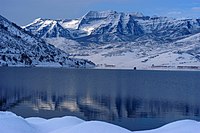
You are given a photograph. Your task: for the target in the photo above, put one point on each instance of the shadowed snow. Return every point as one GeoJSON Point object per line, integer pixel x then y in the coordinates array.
{"type": "Point", "coordinates": [11, 123]}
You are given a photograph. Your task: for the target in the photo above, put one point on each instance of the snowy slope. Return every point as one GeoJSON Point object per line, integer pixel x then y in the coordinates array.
{"type": "Point", "coordinates": [128, 56]}
{"type": "Point", "coordinates": [140, 54]}
{"type": "Point", "coordinates": [126, 40]}
{"type": "Point", "coordinates": [11, 123]}
{"type": "Point", "coordinates": [112, 26]}
{"type": "Point", "coordinates": [18, 48]}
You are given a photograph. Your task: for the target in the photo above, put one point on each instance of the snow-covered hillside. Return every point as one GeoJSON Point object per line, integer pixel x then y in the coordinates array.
{"type": "Point", "coordinates": [20, 48]}
{"type": "Point", "coordinates": [125, 40]}
{"type": "Point", "coordinates": [141, 54]}
{"type": "Point", "coordinates": [112, 26]}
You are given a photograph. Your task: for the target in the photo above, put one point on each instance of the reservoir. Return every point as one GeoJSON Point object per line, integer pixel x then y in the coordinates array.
{"type": "Point", "coordinates": [133, 99]}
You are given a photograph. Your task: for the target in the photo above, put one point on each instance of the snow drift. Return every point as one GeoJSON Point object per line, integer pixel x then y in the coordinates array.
{"type": "Point", "coordinates": [11, 123]}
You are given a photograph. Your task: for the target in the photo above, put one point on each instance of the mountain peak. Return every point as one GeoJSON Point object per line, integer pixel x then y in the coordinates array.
{"type": "Point", "coordinates": [104, 14]}
{"type": "Point", "coordinates": [137, 14]}
{"type": "Point", "coordinates": [107, 26]}
{"type": "Point", "coordinates": [38, 19]}
{"type": "Point", "coordinates": [20, 48]}
{"type": "Point", "coordinates": [99, 14]}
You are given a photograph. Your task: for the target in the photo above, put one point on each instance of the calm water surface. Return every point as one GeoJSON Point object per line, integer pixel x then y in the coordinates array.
{"type": "Point", "coordinates": [136, 100]}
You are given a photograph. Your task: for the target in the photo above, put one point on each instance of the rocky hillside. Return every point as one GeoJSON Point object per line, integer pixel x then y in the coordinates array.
{"type": "Point", "coordinates": [20, 48]}
{"type": "Point", "coordinates": [111, 26]}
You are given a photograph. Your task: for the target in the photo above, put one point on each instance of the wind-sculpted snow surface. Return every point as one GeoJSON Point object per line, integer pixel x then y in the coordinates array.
{"type": "Point", "coordinates": [184, 126]}
{"type": "Point", "coordinates": [20, 48]}
{"type": "Point", "coordinates": [11, 123]}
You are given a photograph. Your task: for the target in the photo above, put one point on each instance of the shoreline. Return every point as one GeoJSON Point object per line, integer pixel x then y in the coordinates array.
{"type": "Point", "coordinates": [105, 68]}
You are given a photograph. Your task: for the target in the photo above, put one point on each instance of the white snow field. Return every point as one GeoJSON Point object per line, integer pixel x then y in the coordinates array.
{"type": "Point", "coordinates": [11, 123]}
{"type": "Point", "coordinates": [120, 40]}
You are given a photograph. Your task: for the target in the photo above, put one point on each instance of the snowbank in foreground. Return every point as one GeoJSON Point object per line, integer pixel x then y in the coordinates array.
{"type": "Point", "coordinates": [11, 123]}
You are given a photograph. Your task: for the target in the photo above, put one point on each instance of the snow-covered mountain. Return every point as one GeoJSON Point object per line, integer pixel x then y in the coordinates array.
{"type": "Point", "coordinates": [124, 40]}
{"type": "Point", "coordinates": [111, 26]}
{"type": "Point", "coordinates": [20, 48]}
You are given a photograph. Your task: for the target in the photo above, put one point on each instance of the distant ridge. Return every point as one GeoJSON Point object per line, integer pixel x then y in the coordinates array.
{"type": "Point", "coordinates": [111, 26]}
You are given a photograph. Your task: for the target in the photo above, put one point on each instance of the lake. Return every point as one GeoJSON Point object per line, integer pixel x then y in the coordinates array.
{"type": "Point", "coordinates": [133, 99]}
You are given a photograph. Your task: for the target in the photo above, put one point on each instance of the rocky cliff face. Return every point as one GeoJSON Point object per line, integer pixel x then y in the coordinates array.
{"type": "Point", "coordinates": [111, 26]}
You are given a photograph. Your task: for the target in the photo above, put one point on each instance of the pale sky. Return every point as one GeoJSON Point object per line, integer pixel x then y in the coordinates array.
{"type": "Point", "coordinates": [23, 12]}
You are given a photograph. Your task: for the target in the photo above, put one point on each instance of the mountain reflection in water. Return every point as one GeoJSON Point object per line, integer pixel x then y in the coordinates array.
{"type": "Point", "coordinates": [136, 100]}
